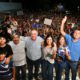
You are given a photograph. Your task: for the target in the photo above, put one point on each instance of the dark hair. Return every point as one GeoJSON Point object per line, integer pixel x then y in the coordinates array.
{"type": "Point", "coordinates": [76, 29]}
{"type": "Point", "coordinates": [33, 29]}
{"type": "Point", "coordinates": [3, 36]}
{"type": "Point", "coordinates": [58, 43]}
{"type": "Point", "coordinates": [16, 34]}
{"type": "Point", "coordinates": [45, 42]}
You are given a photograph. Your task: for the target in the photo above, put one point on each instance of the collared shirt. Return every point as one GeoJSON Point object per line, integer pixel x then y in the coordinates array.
{"type": "Point", "coordinates": [33, 48]}
{"type": "Point", "coordinates": [74, 47]}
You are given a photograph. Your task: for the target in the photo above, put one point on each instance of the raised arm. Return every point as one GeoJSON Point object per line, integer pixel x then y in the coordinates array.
{"type": "Point", "coordinates": [62, 26]}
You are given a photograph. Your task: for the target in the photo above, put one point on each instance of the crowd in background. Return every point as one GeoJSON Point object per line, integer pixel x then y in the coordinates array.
{"type": "Point", "coordinates": [34, 51]}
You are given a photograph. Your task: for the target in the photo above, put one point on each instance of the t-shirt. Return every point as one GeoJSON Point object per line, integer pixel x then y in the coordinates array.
{"type": "Point", "coordinates": [5, 69]}
{"type": "Point", "coordinates": [33, 48]}
{"type": "Point", "coordinates": [7, 50]}
{"type": "Point", "coordinates": [19, 55]}
{"type": "Point", "coordinates": [74, 47]}
{"type": "Point", "coordinates": [61, 52]}
{"type": "Point", "coordinates": [48, 53]}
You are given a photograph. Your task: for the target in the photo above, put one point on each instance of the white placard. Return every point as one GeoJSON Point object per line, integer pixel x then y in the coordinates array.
{"type": "Point", "coordinates": [37, 20]}
{"type": "Point", "coordinates": [47, 21]}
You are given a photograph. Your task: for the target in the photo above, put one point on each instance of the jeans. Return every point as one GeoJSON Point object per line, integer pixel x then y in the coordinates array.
{"type": "Point", "coordinates": [73, 66]}
{"type": "Point", "coordinates": [21, 76]}
{"type": "Point", "coordinates": [47, 70]}
{"type": "Point", "coordinates": [36, 65]}
{"type": "Point", "coordinates": [59, 67]}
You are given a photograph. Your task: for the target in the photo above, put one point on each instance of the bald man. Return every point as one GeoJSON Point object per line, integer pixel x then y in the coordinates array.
{"type": "Point", "coordinates": [33, 46]}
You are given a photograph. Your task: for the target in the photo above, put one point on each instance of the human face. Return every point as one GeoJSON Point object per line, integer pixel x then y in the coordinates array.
{"type": "Point", "coordinates": [49, 40]}
{"type": "Point", "coordinates": [34, 34]}
{"type": "Point", "coordinates": [76, 34]}
{"type": "Point", "coordinates": [16, 39]}
{"type": "Point", "coordinates": [2, 57]}
{"type": "Point", "coordinates": [2, 41]}
{"type": "Point", "coordinates": [62, 41]}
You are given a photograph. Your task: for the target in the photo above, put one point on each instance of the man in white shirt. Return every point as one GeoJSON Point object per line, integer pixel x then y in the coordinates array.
{"type": "Point", "coordinates": [19, 56]}
{"type": "Point", "coordinates": [34, 54]}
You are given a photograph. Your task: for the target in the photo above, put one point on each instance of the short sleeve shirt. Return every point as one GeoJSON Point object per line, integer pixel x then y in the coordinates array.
{"type": "Point", "coordinates": [74, 47]}
{"type": "Point", "coordinates": [7, 50]}
{"type": "Point", "coordinates": [34, 48]}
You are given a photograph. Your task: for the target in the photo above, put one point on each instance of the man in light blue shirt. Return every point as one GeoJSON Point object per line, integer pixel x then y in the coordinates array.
{"type": "Point", "coordinates": [34, 54]}
{"type": "Point", "coordinates": [74, 46]}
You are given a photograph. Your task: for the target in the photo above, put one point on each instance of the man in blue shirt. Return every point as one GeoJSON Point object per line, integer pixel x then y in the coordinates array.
{"type": "Point", "coordinates": [74, 46]}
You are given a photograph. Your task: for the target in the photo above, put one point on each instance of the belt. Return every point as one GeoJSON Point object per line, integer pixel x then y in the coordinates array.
{"type": "Point", "coordinates": [73, 61]}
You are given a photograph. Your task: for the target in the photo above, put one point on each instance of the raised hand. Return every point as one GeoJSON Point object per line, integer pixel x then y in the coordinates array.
{"type": "Point", "coordinates": [62, 26]}
{"type": "Point", "coordinates": [64, 19]}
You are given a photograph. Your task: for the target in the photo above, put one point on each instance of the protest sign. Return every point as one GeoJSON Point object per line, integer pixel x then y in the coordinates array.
{"type": "Point", "coordinates": [47, 21]}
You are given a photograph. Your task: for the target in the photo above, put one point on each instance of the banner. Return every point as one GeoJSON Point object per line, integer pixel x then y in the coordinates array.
{"type": "Point", "coordinates": [47, 21]}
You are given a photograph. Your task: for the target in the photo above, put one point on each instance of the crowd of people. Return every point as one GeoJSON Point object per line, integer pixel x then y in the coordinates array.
{"type": "Point", "coordinates": [26, 43]}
